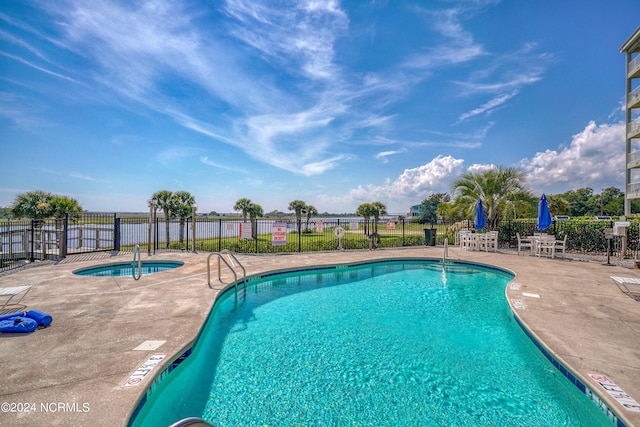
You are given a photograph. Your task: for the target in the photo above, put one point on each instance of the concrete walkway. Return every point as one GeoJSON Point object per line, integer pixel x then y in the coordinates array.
{"type": "Point", "coordinates": [73, 372]}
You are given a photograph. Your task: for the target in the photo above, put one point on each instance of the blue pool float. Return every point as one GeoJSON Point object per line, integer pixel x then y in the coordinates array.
{"type": "Point", "coordinates": [24, 321]}
{"type": "Point", "coordinates": [18, 324]}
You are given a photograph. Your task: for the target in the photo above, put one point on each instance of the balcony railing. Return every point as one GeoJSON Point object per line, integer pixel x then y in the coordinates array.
{"type": "Point", "coordinates": [633, 68]}
{"type": "Point", "coordinates": [633, 188]}
{"type": "Point", "coordinates": [633, 129]}
{"type": "Point", "coordinates": [633, 159]}
{"type": "Point", "coordinates": [633, 98]}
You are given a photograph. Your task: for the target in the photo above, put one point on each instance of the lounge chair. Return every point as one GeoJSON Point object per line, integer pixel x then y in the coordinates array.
{"type": "Point", "coordinates": [14, 292]}
{"type": "Point", "coordinates": [628, 285]}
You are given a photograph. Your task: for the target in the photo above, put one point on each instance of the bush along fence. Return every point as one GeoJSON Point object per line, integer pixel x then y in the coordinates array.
{"type": "Point", "coordinates": [30, 240]}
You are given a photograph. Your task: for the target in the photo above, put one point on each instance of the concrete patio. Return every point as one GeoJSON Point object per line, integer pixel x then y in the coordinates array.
{"type": "Point", "coordinates": [73, 372]}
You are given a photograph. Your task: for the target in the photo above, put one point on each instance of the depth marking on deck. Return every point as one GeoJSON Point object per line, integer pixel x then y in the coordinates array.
{"type": "Point", "coordinates": [140, 373]}
{"type": "Point", "coordinates": [627, 402]}
{"type": "Point", "coordinates": [527, 294]}
{"type": "Point", "coordinates": [150, 345]}
{"type": "Point", "coordinates": [519, 305]}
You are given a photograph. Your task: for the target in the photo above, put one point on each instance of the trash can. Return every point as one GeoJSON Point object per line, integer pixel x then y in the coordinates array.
{"type": "Point", "coordinates": [430, 236]}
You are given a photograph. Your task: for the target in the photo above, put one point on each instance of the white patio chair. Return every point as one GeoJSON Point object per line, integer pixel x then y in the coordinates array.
{"type": "Point", "coordinates": [491, 241]}
{"type": "Point", "coordinates": [561, 245]}
{"type": "Point", "coordinates": [524, 243]}
{"type": "Point", "coordinates": [466, 240]}
{"type": "Point", "coordinates": [545, 246]}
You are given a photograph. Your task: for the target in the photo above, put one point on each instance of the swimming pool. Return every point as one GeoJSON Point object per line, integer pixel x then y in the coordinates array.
{"type": "Point", "coordinates": [126, 268]}
{"type": "Point", "coordinates": [398, 343]}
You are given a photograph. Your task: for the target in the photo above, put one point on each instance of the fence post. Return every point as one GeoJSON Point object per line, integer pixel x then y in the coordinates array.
{"type": "Point", "coordinates": [155, 232]}
{"type": "Point", "coordinates": [186, 245]}
{"type": "Point", "coordinates": [32, 243]}
{"type": "Point", "coordinates": [150, 229]}
{"type": "Point", "coordinates": [193, 225]}
{"type": "Point", "coordinates": [64, 238]}
{"type": "Point", "coordinates": [116, 233]}
{"type": "Point", "coordinates": [219, 234]}
{"type": "Point", "coordinates": [403, 241]}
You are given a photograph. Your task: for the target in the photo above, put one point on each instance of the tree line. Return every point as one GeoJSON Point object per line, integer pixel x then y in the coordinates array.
{"type": "Point", "coordinates": [505, 195]}
{"type": "Point", "coordinates": [503, 191]}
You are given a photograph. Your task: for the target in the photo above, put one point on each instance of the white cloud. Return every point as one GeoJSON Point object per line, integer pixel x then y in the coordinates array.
{"type": "Point", "coordinates": [595, 158]}
{"type": "Point", "coordinates": [37, 67]}
{"type": "Point", "coordinates": [459, 46]}
{"type": "Point", "coordinates": [487, 107]}
{"type": "Point", "coordinates": [382, 156]}
{"type": "Point", "coordinates": [205, 160]}
{"type": "Point", "coordinates": [299, 36]}
{"type": "Point", "coordinates": [172, 154]}
{"type": "Point", "coordinates": [412, 186]}
{"type": "Point", "coordinates": [506, 73]}
{"type": "Point", "coordinates": [87, 177]}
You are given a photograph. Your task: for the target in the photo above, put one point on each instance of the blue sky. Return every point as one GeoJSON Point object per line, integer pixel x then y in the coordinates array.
{"type": "Point", "coordinates": [336, 103]}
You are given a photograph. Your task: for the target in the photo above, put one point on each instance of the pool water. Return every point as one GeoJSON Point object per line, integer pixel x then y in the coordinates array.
{"type": "Point", "coordinates": [127, 268]}
{"type": "Point", "coordinates": [395, 344]}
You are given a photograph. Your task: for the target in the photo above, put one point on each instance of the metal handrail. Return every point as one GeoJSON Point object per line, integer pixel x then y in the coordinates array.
{"type": "Point", "coordinates": [232, 255]}
{"type": "Point", "coordinates": [136, 255]}
{"type": "Point", "coordinates": [445, 253]}
{"type": "Point", "coordinates": [191, 422]}
{"type": "Point", "coordinates": [235, 274]}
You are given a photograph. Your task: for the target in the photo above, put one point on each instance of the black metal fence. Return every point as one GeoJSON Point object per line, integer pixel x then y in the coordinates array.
{"type": "Point", "coordinates": [23, 241]}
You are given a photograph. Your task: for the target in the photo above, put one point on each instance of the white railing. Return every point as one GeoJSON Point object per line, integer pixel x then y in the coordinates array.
{"type": "Point", "coordinates": [91, 237]}
{"type": "Point", "coordinates": [633, 157]}
{"type": "Point", "coordinates": [633, 128]}
{"type": "Point", "coordinates": [633, 65]}
{"type": "Point", "coordinates": [633, 97]}
{"type": "Point", "coordinates": [633, 188]}
{"type": "Point", "coordinates": [40, 243]}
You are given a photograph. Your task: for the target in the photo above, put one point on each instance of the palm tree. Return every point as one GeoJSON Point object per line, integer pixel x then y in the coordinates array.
{"type": "Point", "coordinates": [62, 206]}
{"type": "Point", "coordinates": [35, 205]}
{"type": "Point", "coordinates": [182, 203]}
{"type": "Point", "coordinates": [297, 206]}
{"type": "Point", "coordinates": [39, 205]}
{"type": "Point", "coordinates": [254, 210]}
{"type": "Point", "coordinates": [163, 201]}
{"type": "Point", "coordinates": [311, 212]}
{"type": "Point", "coordinates": [366, 210]}
{"type": "Point", "coordinates": [497, 188]}
{"type": "Point", "coordinates": [379, 209]}
{"type": "Point", "coordinates": [243, 205]}
{"type": "Point", "coordinates": [558, 205]}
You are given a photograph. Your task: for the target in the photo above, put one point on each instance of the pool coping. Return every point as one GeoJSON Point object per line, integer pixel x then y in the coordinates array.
{"type": "Point", "coordinates": [574, 378]}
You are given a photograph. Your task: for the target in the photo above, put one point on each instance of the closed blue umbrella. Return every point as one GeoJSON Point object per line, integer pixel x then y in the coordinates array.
{"type": "Point", "coordinates": [544, 216]}
{"type": "Point", "coordinates": [480, 221]}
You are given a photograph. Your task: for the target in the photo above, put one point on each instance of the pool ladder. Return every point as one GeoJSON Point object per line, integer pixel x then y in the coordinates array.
{"type": "Point", "coordinates": [232, 258]}
{"type": "Point", "coordinates": [191, 422]}
{"type": "Point", "coordinates": [136, 256]}
{"type": "Point", "coordinates": [445, 253]}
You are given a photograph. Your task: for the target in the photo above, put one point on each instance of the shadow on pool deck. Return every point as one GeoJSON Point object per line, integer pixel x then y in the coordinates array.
{"type": "Point", "coordinates": [72, 372]}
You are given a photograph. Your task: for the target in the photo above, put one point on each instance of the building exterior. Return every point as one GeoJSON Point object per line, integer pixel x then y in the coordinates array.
{"type": "Point", "coordinates": [631, 48]}
{"type": "Point", "coordinates": [416, 210]}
